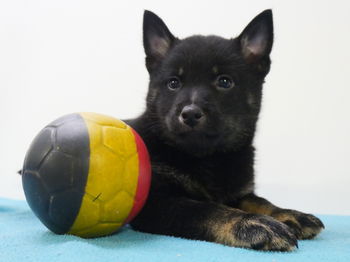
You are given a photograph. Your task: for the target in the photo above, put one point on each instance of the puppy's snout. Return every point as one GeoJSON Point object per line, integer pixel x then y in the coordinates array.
{"type": "Point", "coordinates": [191, 115]}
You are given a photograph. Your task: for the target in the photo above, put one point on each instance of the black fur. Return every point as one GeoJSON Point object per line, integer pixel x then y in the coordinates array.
{"type": "Point", "coordinates": [203, 177]}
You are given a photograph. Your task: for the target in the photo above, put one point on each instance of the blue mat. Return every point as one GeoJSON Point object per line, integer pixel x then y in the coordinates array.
{"type": "Point", "coordinates": [24, 238]}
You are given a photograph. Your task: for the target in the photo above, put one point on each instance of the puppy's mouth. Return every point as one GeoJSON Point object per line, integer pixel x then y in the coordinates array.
{"type": "Point", "coordinates": [196, 143]}
{"type": "Point", "coordinates": [198, 136]}
{"type": "Point", "coordinates": [195, 135]}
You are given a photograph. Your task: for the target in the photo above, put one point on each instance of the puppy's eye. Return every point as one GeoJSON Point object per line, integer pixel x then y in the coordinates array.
{"type": "Point", "coordinates": [224, 82]}
{"type": "Point", "coordinates": [174, 83]}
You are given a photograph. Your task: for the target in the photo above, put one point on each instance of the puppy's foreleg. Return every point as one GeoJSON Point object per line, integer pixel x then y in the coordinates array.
{"type": "Point", "coordinates": [209, 221]}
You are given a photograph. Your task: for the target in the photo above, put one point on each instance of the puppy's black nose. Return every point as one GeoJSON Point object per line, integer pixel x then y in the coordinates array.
{"type": "Point", "coordinates": [191, 115]}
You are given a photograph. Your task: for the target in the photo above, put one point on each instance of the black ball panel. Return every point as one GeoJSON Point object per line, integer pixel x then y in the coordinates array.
{"type": "Point", "coordinates": [64, 119]}
{"type": "Point", "coordinates": [40, 147]}
{"type": "Point", "coordinates": [37, 197]}
{"type": "Point", "coordinates": [61, 206]}
{"type": "Point", "coordinates": [69, 138]}
{"type": "Point", "coordinates": [55, 172]}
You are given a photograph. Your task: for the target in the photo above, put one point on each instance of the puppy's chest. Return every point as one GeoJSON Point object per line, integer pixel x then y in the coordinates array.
{"type": "Point", "coordinates": [202, 180]}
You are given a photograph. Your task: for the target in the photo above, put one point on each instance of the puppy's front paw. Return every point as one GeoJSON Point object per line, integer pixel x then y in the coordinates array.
{"type": "Point", "coordinates": [263, 233]}
{"type": "Point", "coordinates": [304, 226]}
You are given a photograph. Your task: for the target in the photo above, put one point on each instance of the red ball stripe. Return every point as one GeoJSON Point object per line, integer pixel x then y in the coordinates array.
{"type": "Point", "coordinates": [144, 178]}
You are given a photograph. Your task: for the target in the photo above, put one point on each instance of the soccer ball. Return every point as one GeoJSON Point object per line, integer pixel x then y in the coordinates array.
{"type": "Point", "coordinates": [86, 174]}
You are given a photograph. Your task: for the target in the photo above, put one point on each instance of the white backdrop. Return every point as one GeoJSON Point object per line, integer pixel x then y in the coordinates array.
{"type": "Point", "coordinates": [58, 57]}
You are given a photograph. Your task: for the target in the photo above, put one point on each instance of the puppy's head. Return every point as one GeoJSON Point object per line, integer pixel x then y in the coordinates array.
{"type": "Point", "coordinates": [205, 91]}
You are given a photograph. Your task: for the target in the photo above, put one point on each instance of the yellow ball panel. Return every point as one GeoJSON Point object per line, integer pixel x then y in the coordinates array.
{"type": "Point", "coordinates": [129, 180]}
{"type": "Point", "coordinates": [120, 141]}
{"type": "Point", "coordinates": [112, 178]}
{"type": "Point", "coordinates": [117, 209]}
{"type": "Point", "coordinates": [99, 230]}
{"type": "Point", "coordinates": [103, 120]}
{"type": "Point", "coordinates": [95, 131]}
{"type": "Point", "coordinates": [105, 174]}
{"type": "Point", "coordinates": [88, 216]}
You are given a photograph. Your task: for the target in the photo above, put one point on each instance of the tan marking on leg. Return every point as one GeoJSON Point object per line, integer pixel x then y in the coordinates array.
{"type": "Point", "coordinates": [256, 208]}
{"type": "Point", "coordinates": [282, 217]}
{"type": "Point", "coordinates": [223, 232]}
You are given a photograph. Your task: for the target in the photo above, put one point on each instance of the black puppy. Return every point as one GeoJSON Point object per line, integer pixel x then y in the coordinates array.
{"type": "Point", "coordinates": [202, 107]}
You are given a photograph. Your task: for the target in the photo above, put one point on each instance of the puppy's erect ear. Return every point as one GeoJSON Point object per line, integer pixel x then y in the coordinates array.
{"type": "Point", "coordinates": [157, 39]}
{"type": "Point", "coordinates": [257, 38]}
